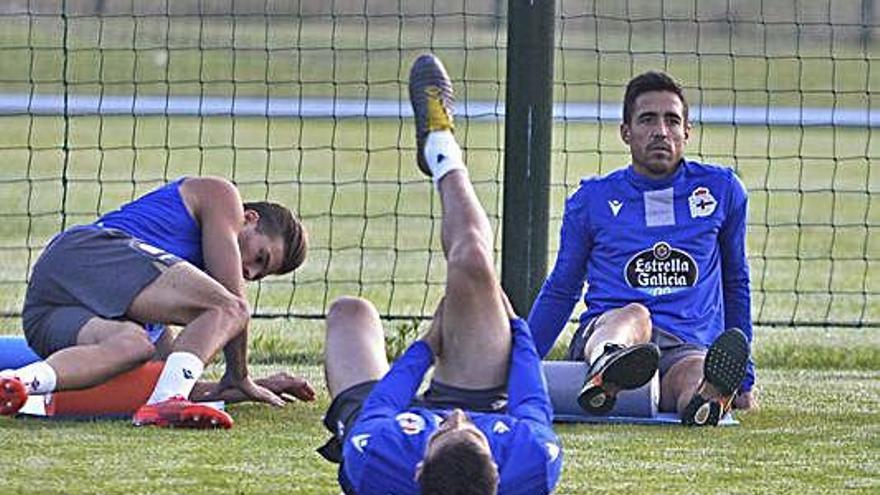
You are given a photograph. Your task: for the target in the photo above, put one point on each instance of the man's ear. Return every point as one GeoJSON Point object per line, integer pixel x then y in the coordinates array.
{"type": "Point", "coordinates": [624, 133]}
{"type": "Point", "coordinates": [251, 216]}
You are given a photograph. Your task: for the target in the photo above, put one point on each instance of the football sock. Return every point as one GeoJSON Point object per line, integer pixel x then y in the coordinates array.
{"type": "Point", "coordinates": [178, 377]}
{"type": "Point", "coordinates": [442, 154]}
{"type": "Point", "coordinates": [39, 378]}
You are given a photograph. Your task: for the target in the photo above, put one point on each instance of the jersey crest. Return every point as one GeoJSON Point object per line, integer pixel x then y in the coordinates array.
{"type": "Point", "coordinates": [410, 423]}
{"type": "Point", "coordinates": [701, 202]}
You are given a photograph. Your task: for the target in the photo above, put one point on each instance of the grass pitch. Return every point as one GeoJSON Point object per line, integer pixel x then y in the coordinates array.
{"type": "Point", "coordinates": [374, 223]}
{"type": "Point", "coordinates": [817, 432]}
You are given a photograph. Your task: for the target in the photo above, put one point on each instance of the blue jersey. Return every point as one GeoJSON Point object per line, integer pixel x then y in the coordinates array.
{"type": "Point", "coordinates": [388, 440]}
{"type": "Point", "coordinates": [160, 219]}
{"type": "Point", "coordinates": [676, 245]}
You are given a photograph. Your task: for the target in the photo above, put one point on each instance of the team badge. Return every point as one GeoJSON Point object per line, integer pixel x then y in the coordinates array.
{"type": "Point", "coordinates": [410, 423]}
{"type": "Point", "coordinates": [702, 202]}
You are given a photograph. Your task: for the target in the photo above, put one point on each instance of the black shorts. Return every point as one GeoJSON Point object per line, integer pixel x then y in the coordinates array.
{"type": "Point", "coordinates": [672, 348]}
{"type": "Point", "coordinates": [346, 407]}
{"type": "Point", "coordinates": [86, 271]}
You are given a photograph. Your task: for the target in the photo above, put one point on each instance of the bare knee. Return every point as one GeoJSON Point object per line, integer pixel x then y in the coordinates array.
{"type": "Point", "coordinates": [131, 342]}
{"type": "Point", "coordinates": [234, 312]}
{"type": "Point", "coordinates": [641, 318]}
{"type": "Point", "coordinates": [631, 323]}
{"type": "Point", "coordinates": [350, 312]}
{"type": "Point", "coordinates": [471, 259]}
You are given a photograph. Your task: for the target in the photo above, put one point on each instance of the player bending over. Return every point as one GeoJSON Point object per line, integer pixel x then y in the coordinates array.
{"type": "Point", "coordinates": [484, 425]}
{"type": "Point", "coordinates": [100, 294]}
{"type": "Point", "coordinates": [661, 245]}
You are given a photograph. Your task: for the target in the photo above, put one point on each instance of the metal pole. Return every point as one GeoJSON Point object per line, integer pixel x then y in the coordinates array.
{"type": "Point", "coordinates": [528, 137]}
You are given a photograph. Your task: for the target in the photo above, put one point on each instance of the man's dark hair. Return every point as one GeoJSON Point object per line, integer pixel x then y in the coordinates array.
{"type": "Point", "coordinates": [650, 81]}
{"type": "Point", "coordinates": [459, 468]}
{"type": "Point", "coordinates": [278, 221]}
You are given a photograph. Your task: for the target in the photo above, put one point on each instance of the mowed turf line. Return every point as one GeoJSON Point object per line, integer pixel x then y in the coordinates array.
{"type": "Point", "coordinates": [817, 432]}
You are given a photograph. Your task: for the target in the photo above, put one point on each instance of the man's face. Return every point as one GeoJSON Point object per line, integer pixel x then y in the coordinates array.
{"type": "Point", "coordinates": [456, 427]}
{"type": "Point", "coordinates": [261, 254]}
{"type": "Point", "coordinates": [656, 134]}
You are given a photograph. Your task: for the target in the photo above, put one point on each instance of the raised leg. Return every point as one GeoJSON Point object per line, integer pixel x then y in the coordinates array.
{"type": "Point", "coordinates": [473, 322]}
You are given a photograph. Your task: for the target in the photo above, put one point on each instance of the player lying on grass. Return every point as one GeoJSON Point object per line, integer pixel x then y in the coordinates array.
{"type": "Point", "coordinates": [484, 425]}
{"type": "Point", "coordinates": [100, 294]}
{"type": "Point", "coordinates": [661, 245]}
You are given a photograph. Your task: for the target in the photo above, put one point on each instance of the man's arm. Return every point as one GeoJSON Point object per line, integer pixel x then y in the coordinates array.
{"type": "Point", "coordinates": [526, 388]}
{"type": "Point", "coordinates": [217, 206]}
{"type": "Point", "coordinates": [565, 285]}
{"type": "Point", "coordinates": [396, 389]}
{"type": "Point", "coordinates": [735, 271]}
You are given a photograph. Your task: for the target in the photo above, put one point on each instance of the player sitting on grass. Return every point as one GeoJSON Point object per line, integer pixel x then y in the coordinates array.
{"type": "Point", "coordinates": [99, 295]}
{"type": "Point", "coordinates": [484, 425]}
{"type": "Point", "coordinates": [661, 245]}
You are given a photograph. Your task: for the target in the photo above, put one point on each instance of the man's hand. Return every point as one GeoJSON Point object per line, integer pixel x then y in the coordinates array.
{"type": "Point", "coordinates": [249, 389]}
{"type": "Point", "coordinates": [508, 308]}
{"type": "Point", "coordinates": [746, 401]}
{"type": "Point", "coordinates": [283, 384]}
{"type": "Point", "coordinates": [288, 387]}
{"type": "Point", "coordinates": [434, 336]}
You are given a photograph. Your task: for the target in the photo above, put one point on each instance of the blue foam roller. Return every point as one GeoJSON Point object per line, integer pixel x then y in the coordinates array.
{"type": "Point", "coordinates": [638, 406]}
{"type": "Point", "coordinates": [566, 378]}
{"type": "Point", "coordinates": [15, 353]}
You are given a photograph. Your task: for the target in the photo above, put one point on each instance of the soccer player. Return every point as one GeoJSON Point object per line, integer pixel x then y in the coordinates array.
{"type": "Point", "coordinates": [484, 424]}
{"type": "Point", "coordinates": [100, 294]}
{"type": "Point", "coordinates": [661, 246]}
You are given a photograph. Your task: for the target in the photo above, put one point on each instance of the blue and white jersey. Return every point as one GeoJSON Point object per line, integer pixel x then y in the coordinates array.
{"type": "Point", "coordinates": [161, 219]}
{"type": "Point", "coordinates": [386, 444]}
{"type": "Point", "coordinates": [676, 245]}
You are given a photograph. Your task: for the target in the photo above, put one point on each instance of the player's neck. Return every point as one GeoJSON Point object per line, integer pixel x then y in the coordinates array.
{"type": "Point", "coordinates": [656, 173]}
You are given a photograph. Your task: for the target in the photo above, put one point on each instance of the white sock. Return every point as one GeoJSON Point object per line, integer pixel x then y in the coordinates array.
{"type": "Point", "coordinates": [442, 154]}
{"type": "Point", "coordinates": [178, 377]}
{"type": "Point", "coordinates": [38, 377]}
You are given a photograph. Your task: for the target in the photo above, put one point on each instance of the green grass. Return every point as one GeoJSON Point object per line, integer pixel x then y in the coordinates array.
{"type": "Point", "coordinates": [816, 432]}
{"type": "Point", "coordinates": [763, 53]}
{"type": "Point", "coordinates": [374, 220]}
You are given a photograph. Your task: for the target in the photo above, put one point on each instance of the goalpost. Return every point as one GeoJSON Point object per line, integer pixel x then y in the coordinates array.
{"type": "Point", "coordinates": [304, 102]}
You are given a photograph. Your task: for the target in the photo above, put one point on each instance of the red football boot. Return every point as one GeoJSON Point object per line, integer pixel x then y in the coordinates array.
{"type": "Point", "coordinates": [13, 395]}
{"type": "Point", "coordinates": [178, 412]}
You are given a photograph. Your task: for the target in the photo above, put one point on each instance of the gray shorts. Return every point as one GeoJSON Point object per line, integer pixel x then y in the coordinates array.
{"type": "Point", "coordinates": [672, 348]}
{"type": "Point", "coordinates": [86, 271]}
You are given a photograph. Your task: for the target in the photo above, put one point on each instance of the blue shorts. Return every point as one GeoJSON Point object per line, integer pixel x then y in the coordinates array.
{"type": "Point", "coordinates": [86, 271]}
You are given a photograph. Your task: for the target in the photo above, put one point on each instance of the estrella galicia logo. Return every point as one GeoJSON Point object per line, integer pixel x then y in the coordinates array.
{"type": "Point", "coordinates": [661, 270]}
